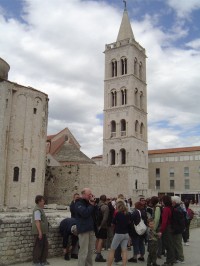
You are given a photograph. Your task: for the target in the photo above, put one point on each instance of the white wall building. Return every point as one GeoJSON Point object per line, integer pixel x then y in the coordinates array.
{"type": "Point", "coordinates": [176, 171]}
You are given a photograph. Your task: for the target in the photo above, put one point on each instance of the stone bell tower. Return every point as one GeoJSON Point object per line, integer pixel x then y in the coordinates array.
{"type": "Point", "coordinates": [125, 106]}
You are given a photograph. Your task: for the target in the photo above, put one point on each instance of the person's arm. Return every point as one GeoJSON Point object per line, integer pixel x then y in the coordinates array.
{"type": "Point", "coordinates": [157, 217]}
{"type": "Point", "coordinates": [84, 211]}
{"type": "Point", "coordinates": [37, 220]}
{"type": "Point", "coordinates": [105, 211]}
{"type": "Point", "coordinates": [38, 225]}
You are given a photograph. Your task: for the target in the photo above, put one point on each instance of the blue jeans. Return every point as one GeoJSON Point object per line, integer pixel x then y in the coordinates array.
{"type": "Point", "coordinates": [138, 245]}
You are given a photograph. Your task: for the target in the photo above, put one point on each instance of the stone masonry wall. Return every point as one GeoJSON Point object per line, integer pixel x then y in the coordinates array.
{"type": "Point", "coordinates": [63, 181]}
{"type": "Point", "coordinates": [16, 240]}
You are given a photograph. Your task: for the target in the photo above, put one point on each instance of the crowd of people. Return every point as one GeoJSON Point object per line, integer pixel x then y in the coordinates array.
{"type": "Point", "coordinates": [156, 224]}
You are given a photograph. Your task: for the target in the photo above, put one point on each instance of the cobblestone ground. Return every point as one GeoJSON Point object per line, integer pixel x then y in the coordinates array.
{"type": "Point", "coordinates": [191, 252]}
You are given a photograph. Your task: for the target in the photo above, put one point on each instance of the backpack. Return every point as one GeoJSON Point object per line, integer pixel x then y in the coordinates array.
{"type": "Point", "coordinates": [111, 214]}
{"type": "Point", "coordinates": [99, 216]}
{"type": "Point", "coordinates": [178, 220]}
{"type": "Point", "coordinates": [190, 214]}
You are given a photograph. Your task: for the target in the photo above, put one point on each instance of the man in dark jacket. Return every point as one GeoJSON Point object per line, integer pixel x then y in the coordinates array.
{"type": "Point", "coordinates": [85, 208]}
{"type": "Point", "coordinates": [178, 226]}
{"type": "Point", "coordinates": [68, 231]}
{"type": "Point", "coordinates": [102, 225]}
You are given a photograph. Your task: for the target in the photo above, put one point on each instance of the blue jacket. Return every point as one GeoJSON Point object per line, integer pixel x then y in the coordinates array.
{"type": "Point", "coordinates": [84, 216]}
{"type": "Point", "coordinates": [65, 230]}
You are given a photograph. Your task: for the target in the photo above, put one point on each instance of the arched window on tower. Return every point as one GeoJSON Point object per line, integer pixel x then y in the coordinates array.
{"type": "Point", "coordinates": [113, 98]}
{"type": "Point", "coordinates": [136, 127]}
{"type": "Point", "coordinates": [113, 128]}
{"type": "Point", "coordinates": [16, 174]}
{"type": "Point", "coordinates": [33, 172]}
{"type": "Point", "coordinates": [142, 130]}
{"type": "Point", "coordinates": [124, 96]}
{"type": "Point", "coordinates": [140, 70]}
{"type": "Point", "coordinates": [114, 68]}
{"type": "Point", "coordinates": [123, 156]}
{"type": "Point", "coordinates": [141, 100]}
{"type": "Point", "coordinates": [135, 66]}
{"type": "Point", "coordinates": [123, 65]}
{"type": "Point", "coordinates": [123, 127]}
{"type": "Point", "coordinates": [136, 97]}
{"type": "Point", "coordinates": [112, 157]}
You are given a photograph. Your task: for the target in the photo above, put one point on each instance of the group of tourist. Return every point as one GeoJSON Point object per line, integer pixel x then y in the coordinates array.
{"type": "Point", "coordinates": [161, 224]}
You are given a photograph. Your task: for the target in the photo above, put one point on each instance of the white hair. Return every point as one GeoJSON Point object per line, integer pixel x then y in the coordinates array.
{"type": "Point", "coordinates": [176, 199]}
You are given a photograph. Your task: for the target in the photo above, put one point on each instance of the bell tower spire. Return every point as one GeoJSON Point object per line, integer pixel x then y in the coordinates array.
{"type": "Point", "coordinates": [124, 5]}
{"type": "Point", "coordinates": [125, 31]}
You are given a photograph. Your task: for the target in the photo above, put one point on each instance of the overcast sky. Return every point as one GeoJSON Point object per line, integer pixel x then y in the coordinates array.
{"type": "Point", "coordinates": [56, 46]}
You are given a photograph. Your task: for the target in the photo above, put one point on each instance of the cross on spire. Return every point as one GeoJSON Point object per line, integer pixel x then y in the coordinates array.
{"type": "Point", "coordinates": [124, 5]}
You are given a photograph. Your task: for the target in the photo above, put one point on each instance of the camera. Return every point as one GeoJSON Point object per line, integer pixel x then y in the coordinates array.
{"type": "Point", "coordinates": [92, 198]}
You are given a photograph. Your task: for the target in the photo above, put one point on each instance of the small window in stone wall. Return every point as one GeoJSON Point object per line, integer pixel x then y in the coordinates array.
{"type": "Point", "coordinates": [16, 174]}
{"type": "Point", "coordinates": [35, 111]}
{"type": "Point", "coordinates": [33, 172]}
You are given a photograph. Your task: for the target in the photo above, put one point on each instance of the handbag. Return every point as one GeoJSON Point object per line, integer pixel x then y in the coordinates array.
{"type": "Point", "coordinates": [141, 227]}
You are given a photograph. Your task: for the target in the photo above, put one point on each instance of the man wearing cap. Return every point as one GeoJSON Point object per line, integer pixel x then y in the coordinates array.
{"type": "Point", "coordinates": [68, 231]}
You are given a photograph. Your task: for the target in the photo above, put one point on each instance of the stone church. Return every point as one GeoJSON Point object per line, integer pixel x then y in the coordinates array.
{"type": "Point", "coordinates": [123, 168]}
{"type": "Point", "coordinates": [23, 129]}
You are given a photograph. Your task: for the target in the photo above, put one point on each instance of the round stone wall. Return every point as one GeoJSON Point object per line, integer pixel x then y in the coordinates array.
{"type": "Point", "coordinates": [4, 69]}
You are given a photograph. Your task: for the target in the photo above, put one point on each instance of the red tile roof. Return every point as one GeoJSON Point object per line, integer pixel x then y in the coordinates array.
{"type": "Point", "coordinates": [174, 150]}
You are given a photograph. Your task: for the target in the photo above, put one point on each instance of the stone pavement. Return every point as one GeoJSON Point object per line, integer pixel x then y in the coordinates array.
{"type": "Point", "coordinates": [192, 255]}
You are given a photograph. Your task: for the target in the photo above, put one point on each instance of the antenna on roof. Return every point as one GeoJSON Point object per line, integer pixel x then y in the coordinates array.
{"type": "Point", "coordinates": [125, 9]}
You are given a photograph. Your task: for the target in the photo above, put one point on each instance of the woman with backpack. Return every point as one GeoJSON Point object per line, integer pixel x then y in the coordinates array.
{"type": "Point", "coordinates": [138, 240]}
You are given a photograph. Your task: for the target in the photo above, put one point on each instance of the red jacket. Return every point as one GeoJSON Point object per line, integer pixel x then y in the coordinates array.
{"type": "Point", "coordinates": [166, 218]}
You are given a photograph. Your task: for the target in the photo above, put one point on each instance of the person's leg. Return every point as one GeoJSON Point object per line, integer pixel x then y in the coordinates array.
{"type": "Point", "coordinates": [118, 256]}
{"type": "Point", "coordinates": [189, 229]}
{"type": "Point", "coordinates": [149, 259]}
{"type": "Point", "coordinates": [91, 243]}
{"type": "Point", "coordinates": [124, 256]}
{"type": "Point", "coordinates": [185, 235]}
{"type": "Point", "coordinates": [154, 252]}
{"type": "Point", "coordinates": [168, 243]}
{"type": "Point", "coordinates": [44, 250]}
{"type": "Point", "coordinates": [37, 249]}
{"type": "Point", "coordinates": [110, 257]}
{"type": "Point", "coordinates": [75, 244]}
{"type": "Point", "coordinates": [114, 245]}
{"type": "Point", "coordinates": [135, 242]}
{"type": "Point", "coordinates": [141, 247]}
{"type": "Point", "coordinates": [124, 242]}
{"type": "Point", "coordinates": [109, 237]}
{"type": "Point", "coordinates": [177, 240]}
{"type": "Point", "coordinates": [83, 250]}
{"type": "Point", "coordinates": [159, 251]}
{"type": "Point", "coordinates": [102, 234]}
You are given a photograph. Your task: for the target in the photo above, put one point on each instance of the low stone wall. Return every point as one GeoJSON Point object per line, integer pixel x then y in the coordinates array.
{"type": "Point", "coordinates": [16, 240]}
